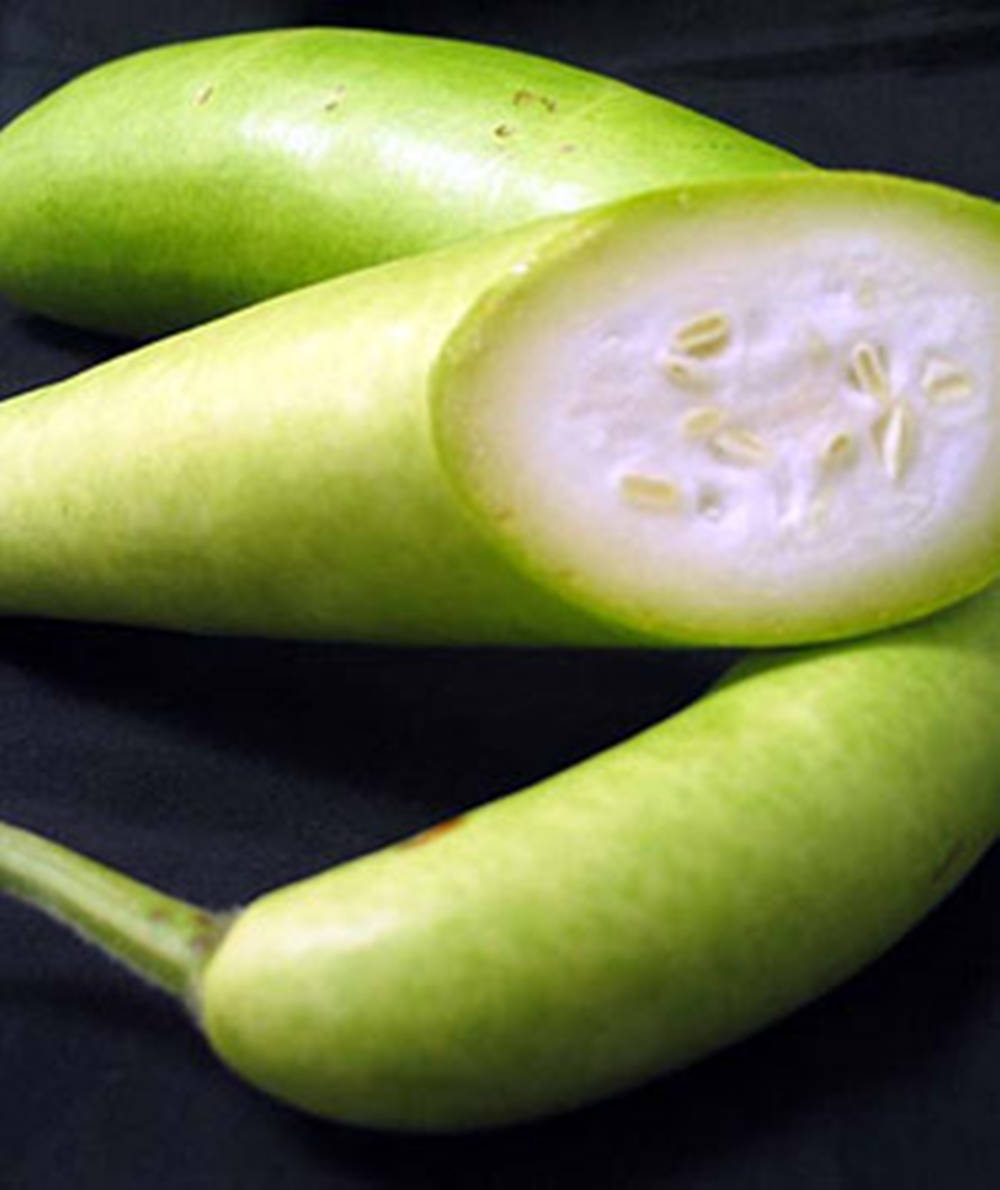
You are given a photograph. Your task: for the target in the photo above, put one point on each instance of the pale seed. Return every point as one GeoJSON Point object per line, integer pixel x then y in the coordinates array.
{"type": "Point", "coordinates": [704, 335]}
{"type": "Point", "coordinates": [894, 437]}
{"type": "Point", "coordinates": [683, 373]}
{"type": "Point", "coordinates": [944, 382]}
{"type": "Point", "coordinates": [868, 371]}
{"type": "Point", "coordinates": [701, 422]}
{"type": "Point", "coordinates": [740, 446]}
{"type": "Point", "coordinates": [650, 492]}
{"type": "Point", "coordinates": [838, 452]}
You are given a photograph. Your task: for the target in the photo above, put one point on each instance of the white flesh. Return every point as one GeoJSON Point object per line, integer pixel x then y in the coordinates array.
{"type": "Point", "coordinates": [730, 421]}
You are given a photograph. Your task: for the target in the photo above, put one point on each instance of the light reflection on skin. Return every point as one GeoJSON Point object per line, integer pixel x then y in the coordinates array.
{"type": "Point", "coordinates": [430, 165]}
{"type": "Point", "coordinates": [341, 935]}
{"type": "Point", "coordinates": [437, 167]}
{"type": "Point", "coordinates": [294, 137]}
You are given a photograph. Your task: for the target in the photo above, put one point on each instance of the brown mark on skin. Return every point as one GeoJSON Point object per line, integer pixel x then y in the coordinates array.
{"type": "Point", "coordinates": [503, 131]}
{"type": "Point", "coordinates": [567, 148]}
{"type": "Point", "coordinates": [432, 832]}
{"type": "Point", "coordinates": [205, 943]}
{"type": "Point", "coordinates": [204, 95]}
{"type": "Point", "coordinates": [335, 99]}
{"type": "Point", "coordinates": [524, 97]}
{"type": "Point", "coordinates": [208, 932]}
{"type": "Point", "coordinates": [205, 932]}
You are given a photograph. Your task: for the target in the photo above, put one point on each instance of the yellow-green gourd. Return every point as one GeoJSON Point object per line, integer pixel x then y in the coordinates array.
{"type": "Point", "coordinates": [173, 185]}
{"type": "Point", "coordinates": [619, 919]}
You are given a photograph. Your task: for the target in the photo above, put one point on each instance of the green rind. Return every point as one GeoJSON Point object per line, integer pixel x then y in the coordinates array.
{"type": "Point", "coordinates": [634, 913]}
{"type": "Point", "coordinates": [188, 180]}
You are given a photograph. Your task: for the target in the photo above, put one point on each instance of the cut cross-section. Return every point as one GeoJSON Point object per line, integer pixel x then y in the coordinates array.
{"type": "Point", "coordinates": [765, 410]}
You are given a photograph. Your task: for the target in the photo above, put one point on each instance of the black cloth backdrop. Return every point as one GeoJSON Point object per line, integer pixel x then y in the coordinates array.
{"type": "Point", "coordinates": [219, 768]}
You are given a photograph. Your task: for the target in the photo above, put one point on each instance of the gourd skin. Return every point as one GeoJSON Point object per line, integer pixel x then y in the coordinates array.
{"type": "Point", "coordinates": [176, 184]}
{"type": "Point", "coordinates": [273, 473]}
{"type": "Point", "coordinates": [631, 914]}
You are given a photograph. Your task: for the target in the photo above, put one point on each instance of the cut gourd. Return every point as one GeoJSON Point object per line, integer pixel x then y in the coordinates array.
{"type": "Point", "coordinates": [765, 410]}
{"type": "Point", "coordinates": [740, 413]}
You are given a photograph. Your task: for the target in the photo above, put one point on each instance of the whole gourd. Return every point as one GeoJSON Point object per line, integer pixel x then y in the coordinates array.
{"type": "Point", "coordinates": [621, 918]}
{"type": "Point", "coordinates": [185, 181]}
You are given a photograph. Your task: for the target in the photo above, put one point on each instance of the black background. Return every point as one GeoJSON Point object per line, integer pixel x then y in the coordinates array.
{"type": "Point", "coordinates": [221, 768]}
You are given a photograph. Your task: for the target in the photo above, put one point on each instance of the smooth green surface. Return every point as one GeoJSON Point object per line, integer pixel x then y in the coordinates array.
{"type": "Point", "coordinates": [272, 473]}
{"type": "Point", "coordinates": [179, 183]}
{"type": "Point", "coordinates": [280, 472]}
{"type": "Point", "coordinates": [637, 911]}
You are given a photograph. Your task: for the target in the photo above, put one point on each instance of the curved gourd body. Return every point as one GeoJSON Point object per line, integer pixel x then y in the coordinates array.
{"type": "Point", "coordinates": [173, 185]}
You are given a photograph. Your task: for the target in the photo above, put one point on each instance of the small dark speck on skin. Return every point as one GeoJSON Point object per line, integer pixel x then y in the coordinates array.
{"type": "Point", "coordinates": [502, 131]}
{"type": "Point", "coordinates": [158, 915]}
{"type": "Point", "coordinates": [433, 832]}
{"type": "Point", "coordinates": [335, 99]}
{"type": "Point", "coordinates": [523, 97]}
{"type": "Point", "coordinates": [204, 95]}
{"type": "Point", "coordinates": [567, 148]}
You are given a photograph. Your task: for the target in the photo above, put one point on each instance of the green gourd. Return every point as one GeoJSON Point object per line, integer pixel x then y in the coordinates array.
{"type": "Point", "coordinates": [179, 183]}
{"type": "Point", "coordinates": [742, 412]}
{"type": "Point", "coordinates": [621, 918]}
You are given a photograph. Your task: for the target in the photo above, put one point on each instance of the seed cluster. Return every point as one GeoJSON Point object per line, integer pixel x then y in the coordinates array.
{"type": "Point", "coordinates": [692, 345]}
{"type": "Point", "coordinates": [894, 430]}
{"type": "Point", "coordinates": [891, 431]}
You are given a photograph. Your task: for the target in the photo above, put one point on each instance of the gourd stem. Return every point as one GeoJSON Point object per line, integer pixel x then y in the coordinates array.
{"type": "Point", "coordinates": [163, 939]}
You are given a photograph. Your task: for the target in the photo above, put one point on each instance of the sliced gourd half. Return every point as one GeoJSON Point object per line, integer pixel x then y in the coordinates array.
{"type": "Point", "coordinates": [754, 411]}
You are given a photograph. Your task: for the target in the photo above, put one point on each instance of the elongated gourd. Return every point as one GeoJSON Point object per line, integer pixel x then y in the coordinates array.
{"type": "Point", "coordinates": [186, 181]}
{"type": "Point", "coordinates": [621, 918]}
{"type": "Point", "coordinates": [738, 413]}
